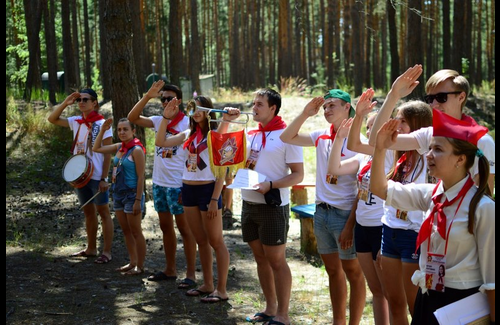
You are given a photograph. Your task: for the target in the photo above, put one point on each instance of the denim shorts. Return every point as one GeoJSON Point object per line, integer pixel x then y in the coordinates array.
{"type": "Point", "coordinates": [328, 225]}
{"type": "Point", "coordinates": [85, 193]}
{"type": "Point", "coordinates": [199, 196]}
{"type": "Point", "coordinates": [167, 199]}
{"type": "Point", "coordinates": [400, 244]}
{"type": "Point", "coordinates": [368, 239]}
{"type": "Point", "coordinates": [124, 200]}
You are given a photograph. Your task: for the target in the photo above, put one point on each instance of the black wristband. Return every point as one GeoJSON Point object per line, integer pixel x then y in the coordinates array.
{"type": "Point", "coordinates": [165, 117]}
{"type": "Point", "coordinates": [138, 199]}
{"type": "Point", "coordinates": [214, 199]}
{"type": "Point", "coordinates": [270, 185]}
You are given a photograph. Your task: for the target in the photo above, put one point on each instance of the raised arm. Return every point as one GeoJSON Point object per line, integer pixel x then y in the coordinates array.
{"type": "Point", "coordinates": [337, 166]}
{"type": "Point", "coordinates": [363, 107]}
{"type": "Point", "coordinates": [402, 87]}
{"type": "Point", "coordinates": [291, 134]}
{"type": "Point", "coordinates": [385, 138]}
{"type": "Point", "coordinates": [134, 116]}
{"type": "Point", "coordinates": [98, 144]}
{"type": "Point", "coordinates": [161, 140]}
{"type": "Point", "coordinates": [55, 116]}
{"type": "Point", "coordinates": [232, 114]}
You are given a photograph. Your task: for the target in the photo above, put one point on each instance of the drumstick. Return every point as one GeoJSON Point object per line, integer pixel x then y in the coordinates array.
{"type": "Point", "coordinates": [90, 200]}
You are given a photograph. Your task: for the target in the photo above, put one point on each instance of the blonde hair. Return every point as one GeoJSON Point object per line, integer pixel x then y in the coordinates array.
{"type": "Point", "coordinates": [460, 82]}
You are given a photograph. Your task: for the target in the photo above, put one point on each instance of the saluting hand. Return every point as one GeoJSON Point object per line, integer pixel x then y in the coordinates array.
{"type": "Point", "coordinates": [312, 108]}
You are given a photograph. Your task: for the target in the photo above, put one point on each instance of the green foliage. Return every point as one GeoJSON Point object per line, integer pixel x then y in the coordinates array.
{"type": "Point", "coordinates": [465, 67]}
{"type": "Point", "coordinates": [293, 86]}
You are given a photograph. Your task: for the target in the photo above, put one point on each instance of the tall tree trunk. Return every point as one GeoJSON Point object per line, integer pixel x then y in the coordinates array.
{"type": "Point", "coordinates": [329, 37]}
{"type": "Point", "coordinates": [393, 41]}
{"type": "Point", "coordinates": [195, 49]}
{"type": "Point", "coordinates": [458, 37]}
{"type": "Point", "coordinates": [138, 45]}
{"type": "Point", "coordinates": [51, 48]}
{"type": "Point", "coordinates": [347, 41]}
{"type": "Point", "coordinates": [87, 69]}
{"type": "Point", "coordinates": [414, 42]}
{"type": "Point", "coordinates": [118, 30]}
{"type": "Point", "coordinates": [356, 11]}
{"type": "Point", "coordinates": [33, 18]}
{"type": "Point", "coordinates": [175, 42]}
{"type": "Point", "coordinates": [284, 41]}
{"type": "Point", "coordinates": [479, 47]}
{"type": "Point", "coordinates": [76, 44]}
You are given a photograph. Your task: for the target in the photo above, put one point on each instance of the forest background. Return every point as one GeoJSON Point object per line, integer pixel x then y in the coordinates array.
{"type": "Point", "coordinates": [300, 48]}
{"type": "Point", "coordinates": [310, 46]}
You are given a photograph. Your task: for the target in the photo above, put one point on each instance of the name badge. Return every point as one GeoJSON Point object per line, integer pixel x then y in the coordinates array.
{"type": "Point", "coordinates": [435, 270]}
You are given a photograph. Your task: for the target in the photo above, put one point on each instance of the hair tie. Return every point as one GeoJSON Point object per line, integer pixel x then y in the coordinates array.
{"type": "Point", "coordinates": [479, 153]}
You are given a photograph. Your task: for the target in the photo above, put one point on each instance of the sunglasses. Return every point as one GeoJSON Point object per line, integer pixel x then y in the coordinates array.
{"type": "Point", "coordinates": [163, 99]}
{"type": "Point", "coordinates": [440, 97]}
{"type": "Point", "coordinates": [83, 99]}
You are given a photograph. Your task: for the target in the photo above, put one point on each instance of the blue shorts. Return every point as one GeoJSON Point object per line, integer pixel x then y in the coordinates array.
{"type": "Point", "coordinates": [368, 239]}
{"type": "Point", "coordinates": [167, 199]}
{"type": "Point", "coordinates": [328, 225]}
{"type": "Point", "coordinates": [124, 200]}
{"type": "Point", "coordinates": [400, 244]}
{"type": "Point", "coordinates": [85, 193]}
{"type": "Point", "coordinates": [199, 196]}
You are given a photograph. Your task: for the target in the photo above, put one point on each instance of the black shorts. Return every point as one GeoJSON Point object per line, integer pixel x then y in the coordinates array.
{"type": "Point", "coordinates": [267, 223]}
{"type": "Point", "coordinates": [368, 239]}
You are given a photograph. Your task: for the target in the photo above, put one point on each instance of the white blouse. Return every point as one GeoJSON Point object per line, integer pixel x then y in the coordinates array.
{"type": "Point", "coordinates": [470, 258]}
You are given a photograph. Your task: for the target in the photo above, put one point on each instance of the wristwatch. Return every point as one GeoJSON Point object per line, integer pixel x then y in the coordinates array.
{"type": "Point", "coordinates": [104, 179]}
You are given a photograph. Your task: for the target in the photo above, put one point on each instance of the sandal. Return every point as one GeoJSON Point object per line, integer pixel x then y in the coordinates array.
{"type": "Point", "coordinates": [103, 259]}
{"type": "Point", "coordinates": [186, 284]}
{"type": "Point", "coordinates": [125, 268]}
{"type": "Point", "coordinates": [134, 271]}
{"type": "Point", "coordinates": [82, 253]}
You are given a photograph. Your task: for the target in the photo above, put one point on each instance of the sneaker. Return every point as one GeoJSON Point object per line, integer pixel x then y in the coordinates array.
{"type": "Point", "coordinates": [227, 219]}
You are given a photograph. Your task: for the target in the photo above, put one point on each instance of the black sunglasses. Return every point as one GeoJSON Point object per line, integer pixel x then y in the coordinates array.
{"type": "Point", "coordinates": [83, 99]}
{"type": "Point", "coordinates": [440, 97]}
{"type": "Point", "coordinates": [163, 99]}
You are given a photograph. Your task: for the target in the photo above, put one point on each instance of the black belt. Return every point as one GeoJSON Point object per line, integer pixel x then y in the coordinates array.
{"type": "Point", "coordinates": [325, 206]}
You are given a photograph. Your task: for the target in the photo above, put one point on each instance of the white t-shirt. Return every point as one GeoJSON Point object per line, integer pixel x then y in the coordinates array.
{"type": "Point", "coordinates": [370, 211]}
{"type": "Point", "coordinates": [470, 258]}
{"type": "Point", "coordinates": [414, 218]}
{"type": "Point", "coordinates": [273, 162]}
{"type": "Point", "coordinates": [342, 194]}
{"type": "Point", "coordinates": [485, 143]}
{"type": "Point", "coordinates": [81, 143]}
{"type": "Point", "coordinates": [203, 171]}
{"type": "Point", "coordinates": [169, 161]}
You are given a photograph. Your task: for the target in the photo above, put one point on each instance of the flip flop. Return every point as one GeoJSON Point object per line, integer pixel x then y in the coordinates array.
{"type": "Point", "coordinates": [103, 259]}
{"type": "Point", "coordinates": [210, 299]}
{"type": "Point", "coordinates": [134, 271]}
{"type": "Point", "coordinates": [197, 292]}
{"type": "Point", "coordinates": [258, 318]}
{"type": "Point", "coordinates": [160, 276]}
{"type": "Point", "coordinates": [186, 284]}
{"type": "Point", "coordinates": [82, 253]}
{"type": "Point", "coordinates": [274, 322]}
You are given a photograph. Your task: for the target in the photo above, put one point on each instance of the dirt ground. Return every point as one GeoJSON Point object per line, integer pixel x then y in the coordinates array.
{"type": "Point", "coordinates": [46, 286]}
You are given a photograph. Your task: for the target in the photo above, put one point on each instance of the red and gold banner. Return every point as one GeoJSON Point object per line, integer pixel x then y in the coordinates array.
{"type": "Point", "coordinates": [227, 152]}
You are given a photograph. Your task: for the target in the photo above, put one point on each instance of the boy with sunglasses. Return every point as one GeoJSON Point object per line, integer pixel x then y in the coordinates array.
{"type": "Point", "coordinates": [447, 91]}
{"type": "Point", "coordinates": [167, 182]}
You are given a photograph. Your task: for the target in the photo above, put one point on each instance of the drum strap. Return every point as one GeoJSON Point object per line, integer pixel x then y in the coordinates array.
{"type": "Point", "coordinates": [88, 140]}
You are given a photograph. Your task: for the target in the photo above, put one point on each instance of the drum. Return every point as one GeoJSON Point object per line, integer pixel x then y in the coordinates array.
{"type": "Point", "coordinates": [77, 170]}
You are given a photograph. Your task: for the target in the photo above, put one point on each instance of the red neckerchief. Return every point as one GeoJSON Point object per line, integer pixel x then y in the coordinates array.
{"type": "Point", "coordinates": [326, 137]}
{"type": "Point", "coordinates": [132, 143]}
{"type": "Point", "coordinates": [174, 122]}
{"type": "Point", "coordinates": [197, 134]}
{"type": "Point", "coordinates": [364, 170]}
{"type": "Point", "coordinates": [426, 228]}
{"type": "Point", "coordinates": [275, 124]}
{"type": "Point", "coordinates": [91, 118]}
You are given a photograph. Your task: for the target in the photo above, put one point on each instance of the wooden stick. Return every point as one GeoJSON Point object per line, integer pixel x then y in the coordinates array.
{"type": "Point", "coordinates": [90, 200]}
